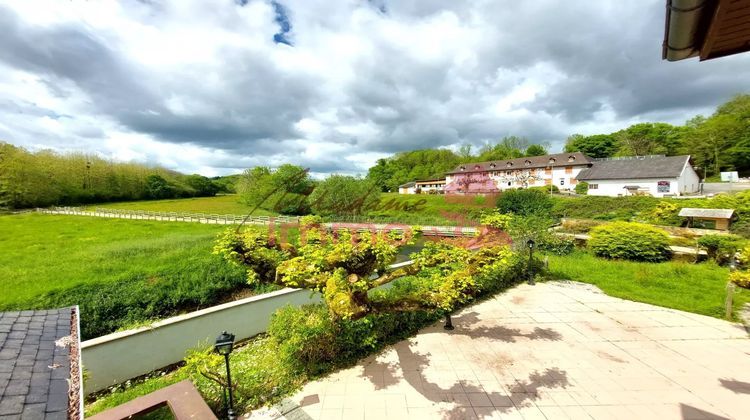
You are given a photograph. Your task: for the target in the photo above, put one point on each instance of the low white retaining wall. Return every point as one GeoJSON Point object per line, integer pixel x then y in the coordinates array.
{"type": "Point", "coordinates": [115, 358]}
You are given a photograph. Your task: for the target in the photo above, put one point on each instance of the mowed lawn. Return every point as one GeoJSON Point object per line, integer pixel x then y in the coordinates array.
{"type": "Point", "coordinates": [42, 253]}
{"type": "Point", "coordinates": [221, 204]}
{"type": "Point", "coordinates": [698, 288]}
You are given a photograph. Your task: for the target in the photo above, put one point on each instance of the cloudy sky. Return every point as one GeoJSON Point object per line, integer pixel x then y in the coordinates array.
{"type": "Point", "coordinates": [218, 86]}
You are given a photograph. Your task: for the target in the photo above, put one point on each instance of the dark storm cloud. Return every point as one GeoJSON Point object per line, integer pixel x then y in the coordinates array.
{"type": "Point", "coordinates": [372, 77]}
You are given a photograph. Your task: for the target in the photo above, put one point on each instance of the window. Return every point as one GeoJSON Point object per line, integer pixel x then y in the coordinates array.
{"type": "Point", "coordinates": [508, 173]}
{"type": "Point", "coordinates": [593, 186]}
{"type": "Point", "coordinates": [568, 169]}
{"type": "Point", "coordinates": [509, 164]}
{"type": "Point", "coordinates": [527, 163]}
{"type": "Point", "coordinates": [476, 167]}
{"type": "Point", "coordinates": [571, 158]}
{"type": "Point", "coordinates": [509, 183]}
{"type": "Point", "coordinates": [562, 181]}
{"type": "Point", "coordinates": [552, 161]}
{"type": "Point", "coordinates": [492, 165]}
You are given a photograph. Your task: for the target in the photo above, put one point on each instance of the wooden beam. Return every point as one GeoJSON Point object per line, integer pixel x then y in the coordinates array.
{"type": "Point", "coordinates": [713, 29]}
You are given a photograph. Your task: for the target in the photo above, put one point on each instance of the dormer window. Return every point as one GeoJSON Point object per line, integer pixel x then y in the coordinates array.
{"type": "Point", "coordinates": [527, 163]}
{"type": "Point", "coordinates": [571, 158]}
{"type": "Point", "coordinates": [492, 165]}
{"type": "Point", "coordinates": [552, 161]}
{"type": "Point", "coordinates": [509, 164]}
{"type": "Point", "coordinates": [463, 168]}
{"type": "Point", "coordinates": [477, 167]}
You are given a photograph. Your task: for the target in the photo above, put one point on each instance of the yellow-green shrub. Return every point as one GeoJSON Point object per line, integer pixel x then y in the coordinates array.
{"type": "Point", "coordinates": [630, 241]}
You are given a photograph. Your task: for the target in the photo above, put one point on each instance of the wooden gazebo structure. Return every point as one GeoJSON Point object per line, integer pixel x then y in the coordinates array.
{"type": "Point", "coordinates": [719, 219]}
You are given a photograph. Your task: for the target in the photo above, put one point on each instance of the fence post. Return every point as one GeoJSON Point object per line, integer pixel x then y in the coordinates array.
{"type": "Point", "coordinates": [728, 302]}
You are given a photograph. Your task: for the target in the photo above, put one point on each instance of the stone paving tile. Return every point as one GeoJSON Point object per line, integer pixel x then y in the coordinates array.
{"type": "Point", "coordinates": [557, 350]}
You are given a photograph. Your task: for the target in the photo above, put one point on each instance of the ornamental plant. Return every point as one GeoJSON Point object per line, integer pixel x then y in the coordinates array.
{"type": "Point", "coordinates": [630, 241]}
{"type": "Point", "coordinates": [344, 267]}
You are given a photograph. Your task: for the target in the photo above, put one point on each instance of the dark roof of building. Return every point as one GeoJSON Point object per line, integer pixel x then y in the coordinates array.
{"type": "Point", "coordinates": [407, 185]}
{"type": "Point", "coordinates": [421, 181]}
{"type": "Point", "coordinates": [35, 364]}
{"type": "Point", "coordinates": [560, 159]}
{"type": "Point", "coordinates": [637, 167]}
{"type": "Point", "coordinates": [707, 213]}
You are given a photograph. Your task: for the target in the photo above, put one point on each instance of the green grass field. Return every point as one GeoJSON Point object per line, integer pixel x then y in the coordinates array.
{"type": "Point", "coordinates": [120, 272]}
{"type": "Point", "coordinates": [40, 253]}
{"type": "Point", "coordinates": [698, 288]}
{"type": "Point", "coordinates": [221, 204]}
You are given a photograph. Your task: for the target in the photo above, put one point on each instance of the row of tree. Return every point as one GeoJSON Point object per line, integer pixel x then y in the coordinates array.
{"type": "Point", "coordinates": [44, 178]}
{"type": "Point", "coordinates": [403, 167]}
{"type": "Point", "coordinates": [716, 143]}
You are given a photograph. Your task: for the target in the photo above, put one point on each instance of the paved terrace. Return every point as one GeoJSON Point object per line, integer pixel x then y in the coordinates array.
{"type": "Point", "coordinates": [551, 351]}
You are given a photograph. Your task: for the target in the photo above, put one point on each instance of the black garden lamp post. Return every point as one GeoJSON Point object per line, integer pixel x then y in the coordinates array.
{"type": "Point", "coordinates": [530, 244]}
{"type": "Point", "coordinates": [224, 345]}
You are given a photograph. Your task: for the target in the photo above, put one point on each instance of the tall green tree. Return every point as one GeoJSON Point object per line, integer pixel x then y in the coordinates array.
{"type": "Point", "coordinates": [649, 139]}
{"type": "Point", "coordinates": [536, 150]}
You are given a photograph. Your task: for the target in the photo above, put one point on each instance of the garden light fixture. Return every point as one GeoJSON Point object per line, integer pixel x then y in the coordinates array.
{"type": "Point", "coordinates": [224, 345]}
{"type": "Point", "coordinates": [530, 244]}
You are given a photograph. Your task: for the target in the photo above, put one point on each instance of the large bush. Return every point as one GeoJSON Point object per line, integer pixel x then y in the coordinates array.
{"type": "Point", "coordinates": [582, 188]}
{"type": "Point", "coordinates": [525, 202]}
{"type": "Point", "coordinates": [344, 195]}
{"type": "Point", "coordinates": [630, 241]}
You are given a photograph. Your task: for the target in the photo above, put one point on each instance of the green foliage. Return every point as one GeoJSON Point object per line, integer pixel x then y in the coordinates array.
{"type": "Point", "coordinates": [509, 147]}
{"type": "Point", "coordinates": [525, 202]}
{"type": "Point", "coordinates": [283, 190]}
{"type": "Point", "coordinates": [47, 178]}
{"type": "Point", "coordinates": [630, 241]}
{"type": "Point", "coordinates": [202, 186]}
{"type": "Point", "coordinates": [157, 187]}
{"type": "Point", "coordinates": [596, 146]}
{"type": "Point", "coordinates": [720, 248]}
{"type": "Point", "coordinates": [582, 188]}
{"type": "Point", "coordinates": [665, 213]}
{"type": "Point", "coordinates": [649, 139]}
{"type": "Point", "coordinates": [536, 150]}
{"type": "Point", "coordinates": [344, 195]}
{"type": "Point", "coordinates": [403, 167]}
{"type": "Point", "coordinates": [495, 219]}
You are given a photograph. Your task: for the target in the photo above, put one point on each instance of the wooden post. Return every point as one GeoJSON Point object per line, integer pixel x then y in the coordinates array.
{"type": "Point", "coordinates": [728, 301]}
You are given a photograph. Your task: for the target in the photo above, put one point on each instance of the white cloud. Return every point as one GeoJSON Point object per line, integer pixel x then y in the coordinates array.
{"type": "Point", "coordinates": [203, 87]}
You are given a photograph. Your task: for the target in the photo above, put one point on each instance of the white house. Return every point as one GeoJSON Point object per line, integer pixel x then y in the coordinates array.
{"type": "Point", "coordinates": [641, 175]}
{"type": "Point", "coordinates": [407, 188]}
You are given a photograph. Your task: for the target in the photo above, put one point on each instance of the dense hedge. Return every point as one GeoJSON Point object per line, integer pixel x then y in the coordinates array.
{"type": "Point", "coordinates": [525, 202]}
{"type": "Point", "coordinates": [630, 241]}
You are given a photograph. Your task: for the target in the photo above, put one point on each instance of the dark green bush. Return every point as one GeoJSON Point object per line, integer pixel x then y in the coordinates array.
{"type": "Point", "coordinates": [720, 248]}
{"type": "Point", "coordinates": [525, 202]}
{"type": "Point", "coordinates": [630, 241]}
{"type": "Point", "coordinates": [582, 188]}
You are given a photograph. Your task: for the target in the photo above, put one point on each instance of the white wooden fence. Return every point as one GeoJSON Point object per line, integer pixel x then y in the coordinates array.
{"type": "Point", "coordinates": [233, 219]}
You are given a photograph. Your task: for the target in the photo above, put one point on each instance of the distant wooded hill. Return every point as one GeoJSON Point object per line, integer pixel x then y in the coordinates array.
{"type": "Point", "coordinates": [44, 178]}
{"type": "Point", "coordinates": [717, 143]}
